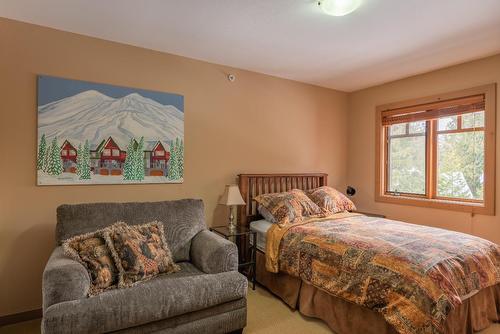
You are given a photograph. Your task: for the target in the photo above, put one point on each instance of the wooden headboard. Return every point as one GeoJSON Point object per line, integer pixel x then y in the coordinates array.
{"type": "Point", "coordinates": [252, 185]}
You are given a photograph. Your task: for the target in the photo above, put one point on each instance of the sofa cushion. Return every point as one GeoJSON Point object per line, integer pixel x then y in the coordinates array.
{"type": "Point", "coordinates": [140, 252]}
{"type": "Point", "coordinates": [182, 220]}
{"type": "Point", "coordinates": [221, 319]}
{"type": "Point", "coordinates": [162, 297]}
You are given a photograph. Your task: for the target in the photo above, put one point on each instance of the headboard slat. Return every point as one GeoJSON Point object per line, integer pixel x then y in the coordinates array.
{"type": "Point", "coordinates": [252, 185]}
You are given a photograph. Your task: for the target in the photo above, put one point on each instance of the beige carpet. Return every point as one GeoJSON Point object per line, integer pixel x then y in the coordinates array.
{"type": "Point", "coordinates": [266, 314]}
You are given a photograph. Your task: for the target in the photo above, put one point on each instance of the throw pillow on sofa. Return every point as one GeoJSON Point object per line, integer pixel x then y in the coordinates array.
{"type": "Point", "coordinates": [91, 251]}
{"type": "Point", "coordinates": [140, 252]}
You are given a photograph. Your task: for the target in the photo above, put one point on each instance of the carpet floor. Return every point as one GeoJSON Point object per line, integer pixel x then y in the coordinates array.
{"type": "Point", "coordinates": [266, 314]}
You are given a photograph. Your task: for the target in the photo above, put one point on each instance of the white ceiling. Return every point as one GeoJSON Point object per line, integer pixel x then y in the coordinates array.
{"type": "Point", "coordinates": [382, 41]}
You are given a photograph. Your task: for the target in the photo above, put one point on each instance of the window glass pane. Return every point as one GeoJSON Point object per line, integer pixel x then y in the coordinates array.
{"type": "Point", "coordinates": [447, 123]}
{"type": "Point", "coordinates": [417, 127]}
{"type": "Point", "coordinates": [397, 129]}
{"type": "Point", "coordinates": [406, 165]}
{"type": "Point", "coordinates": [460, 165]}
{"type": "Point", "coordinates": [473, 120]}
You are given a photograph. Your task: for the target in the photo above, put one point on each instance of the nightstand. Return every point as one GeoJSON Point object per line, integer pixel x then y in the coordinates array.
{"type": "Point", "coordinates": [242, 236]}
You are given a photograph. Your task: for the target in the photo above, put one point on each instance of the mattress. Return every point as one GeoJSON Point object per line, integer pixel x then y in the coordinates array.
{"type": "Point", "coordinates": [261, 227]}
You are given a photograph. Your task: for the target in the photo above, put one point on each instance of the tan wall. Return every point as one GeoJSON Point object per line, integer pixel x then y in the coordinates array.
{"type": "Point", "coordinates": [256, 124]}
{"type": "Point", "coordinates": [361, 161]}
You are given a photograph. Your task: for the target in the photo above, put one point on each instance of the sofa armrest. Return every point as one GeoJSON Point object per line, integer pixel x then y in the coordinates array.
{"type": "Point", "coordinates": [64, 279]}
{"type": "Point", "coordinates": [213, 254]}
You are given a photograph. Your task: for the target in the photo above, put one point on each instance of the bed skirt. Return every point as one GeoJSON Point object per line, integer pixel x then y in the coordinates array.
{"type": "Point", "coordinates": [475, 314]}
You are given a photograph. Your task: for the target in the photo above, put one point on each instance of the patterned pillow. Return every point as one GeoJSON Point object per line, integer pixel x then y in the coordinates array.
{"type": "Point", "coordinates": [266, 214]}
{"type": "Point", "coordinates": [330, 200]}
{"type": "Point", "coordinates": [92, 252]}
{"type": "Point", "coordinates": [287, 207]}
{"type": "Point", "coordinates": [140, 252]}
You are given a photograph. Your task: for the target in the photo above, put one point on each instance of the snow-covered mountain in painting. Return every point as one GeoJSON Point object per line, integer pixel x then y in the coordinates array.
{"type": "Point", "coordinates": [94, 116]}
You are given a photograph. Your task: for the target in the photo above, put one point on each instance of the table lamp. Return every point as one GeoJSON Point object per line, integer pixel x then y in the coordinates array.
{"type": "Point", "coordinates": [231, 198]}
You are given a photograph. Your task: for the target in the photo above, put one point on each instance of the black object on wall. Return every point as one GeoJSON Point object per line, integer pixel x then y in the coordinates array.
{"type": "Point", "coordinates": [350, 191]}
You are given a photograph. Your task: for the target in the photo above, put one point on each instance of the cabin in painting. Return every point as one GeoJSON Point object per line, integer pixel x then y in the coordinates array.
{"type": "Point", "coordinates": [159, 157]}
{"type": "Point", "coordinates": [111, 159]}
{"type": "Point", "coordinates": [68, 157]}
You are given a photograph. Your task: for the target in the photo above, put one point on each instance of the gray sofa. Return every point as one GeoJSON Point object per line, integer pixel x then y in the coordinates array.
{"type": "Point", "coordinates": [208, 295]}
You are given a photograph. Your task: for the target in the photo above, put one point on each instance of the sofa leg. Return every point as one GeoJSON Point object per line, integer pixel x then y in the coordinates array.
{"type": "Point", "coordinates": [238, 331]}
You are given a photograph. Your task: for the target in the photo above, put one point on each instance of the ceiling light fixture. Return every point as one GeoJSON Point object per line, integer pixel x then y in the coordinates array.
{"type": "Point", "coordinates": [339, 7]}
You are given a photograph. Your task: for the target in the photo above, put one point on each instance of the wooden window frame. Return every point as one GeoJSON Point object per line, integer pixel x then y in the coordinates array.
{"type": "Point", "coordinates": [487, 205]}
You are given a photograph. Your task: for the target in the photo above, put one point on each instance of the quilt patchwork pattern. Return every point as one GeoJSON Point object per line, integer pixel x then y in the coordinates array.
{"type": "Point", "coordinates": [412, 274]}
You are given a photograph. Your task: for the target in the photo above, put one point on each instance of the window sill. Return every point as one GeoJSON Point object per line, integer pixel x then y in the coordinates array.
{"type": "Point", "coordinates": [472, 207]}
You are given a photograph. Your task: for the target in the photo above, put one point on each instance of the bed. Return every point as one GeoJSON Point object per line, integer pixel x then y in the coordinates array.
{"type": "Point", "coordinates": [475, 308]}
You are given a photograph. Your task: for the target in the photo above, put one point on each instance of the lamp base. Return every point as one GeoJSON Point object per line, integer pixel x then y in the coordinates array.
{"type": "Point", "coordinates": [231, 224]}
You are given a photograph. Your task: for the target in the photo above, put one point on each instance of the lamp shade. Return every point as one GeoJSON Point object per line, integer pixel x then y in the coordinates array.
{"type": "Point", "coordinates": [232, 196]}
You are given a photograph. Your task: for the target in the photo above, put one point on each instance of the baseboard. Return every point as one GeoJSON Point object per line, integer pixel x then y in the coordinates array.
{"type": "Point", "coordinates": [20, 317]}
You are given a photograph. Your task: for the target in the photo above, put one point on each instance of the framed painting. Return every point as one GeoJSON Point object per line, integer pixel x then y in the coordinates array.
{"type": "Point", "coordinates": [90, 133]}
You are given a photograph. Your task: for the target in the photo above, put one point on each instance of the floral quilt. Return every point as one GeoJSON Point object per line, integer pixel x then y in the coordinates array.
{"type": "Point", "coordinates": [413, 275]}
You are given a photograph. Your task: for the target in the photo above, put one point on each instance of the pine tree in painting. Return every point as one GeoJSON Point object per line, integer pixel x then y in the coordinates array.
{"type": "Point", "coordinates": [172, 163]}
{"type": "Point", "coordinates": [42, 148]}
{"type": "Point", "coordinates": [180, 159]}
{"type": "Point", "coordinates": [85, 161]}
{"type": "Point", "coordinates": [46, 160]}
{"type": "Point", "coordinates": [133, 168]}
{"type": "Point", "coordinates": [139, 161]}
{"type": "Point", "coordinates": [55, 165]}
{"type": "Point", "coordinates": [134, 157]}
{"type": "Point", "coordinates": [128, 172]}
{"type": "Point", "coordinates": [79, 152]}
{"type": "Point", "coordinates": [176, 162]}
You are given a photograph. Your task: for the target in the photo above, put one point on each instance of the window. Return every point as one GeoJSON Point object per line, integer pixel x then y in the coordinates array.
{"type": "Point", "coordinates": [159, 153]}
{"type": "Point", "coordinates": [406, 158]}
{"type": "Point", "coordinates": [64, 152]}
{"type": "Point", "coordinates": [106, 152]}
{"type": "Point", "coordinates": [460, 157]}
{"type": "Point", "coordinates": [438, 151]}
{"type": "Point", "coordinates": [72, 152]}
{"type": "Point", "coordinates": [116, 152]}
